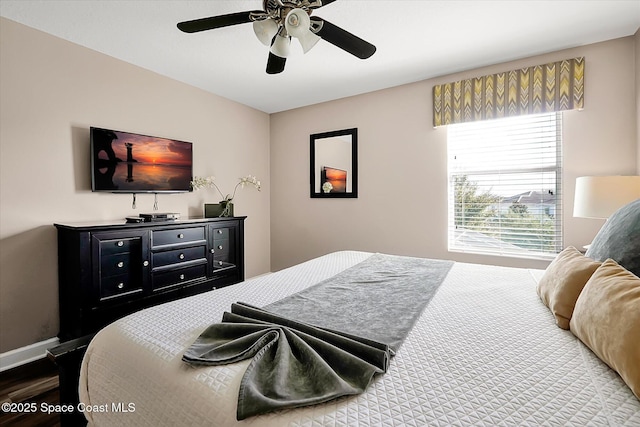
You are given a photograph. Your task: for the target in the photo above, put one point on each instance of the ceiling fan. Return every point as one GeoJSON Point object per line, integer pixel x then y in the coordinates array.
{"type": "Point", "coordinates": [279, 21]}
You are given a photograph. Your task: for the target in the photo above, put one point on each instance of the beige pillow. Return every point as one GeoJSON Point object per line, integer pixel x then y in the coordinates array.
{"type": "Point", "coordinates": [607, 319]}
{"type": "Point", "coordinates": [563, 281]}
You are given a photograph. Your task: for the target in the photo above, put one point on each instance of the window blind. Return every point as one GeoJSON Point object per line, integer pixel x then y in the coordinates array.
{"type": "Point", "coordinates": [505, 185]}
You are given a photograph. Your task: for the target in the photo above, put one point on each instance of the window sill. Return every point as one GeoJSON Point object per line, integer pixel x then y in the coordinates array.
{"type": "Point", "coordinates": [527, 256]}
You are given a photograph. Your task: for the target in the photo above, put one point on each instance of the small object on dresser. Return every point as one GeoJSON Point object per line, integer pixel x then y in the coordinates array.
{"type": "Point", "coordinates": [159, 217]}
{"type": "Point", "coordinates": [214, 210]}
{"type": "Point", "coordinates": [134, 219]}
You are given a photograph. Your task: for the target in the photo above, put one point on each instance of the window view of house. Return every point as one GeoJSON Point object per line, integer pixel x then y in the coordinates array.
{"type": "Point", "coordinates": [504, 186]}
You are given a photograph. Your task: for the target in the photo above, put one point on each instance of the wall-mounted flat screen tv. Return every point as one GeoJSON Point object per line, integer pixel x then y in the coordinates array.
{"type": "Point", "coordinates": [124, 162]}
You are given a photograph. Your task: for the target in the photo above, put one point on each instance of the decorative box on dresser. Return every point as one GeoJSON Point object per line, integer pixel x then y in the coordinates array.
{"type": "Point", "coordinates": [108, 270]}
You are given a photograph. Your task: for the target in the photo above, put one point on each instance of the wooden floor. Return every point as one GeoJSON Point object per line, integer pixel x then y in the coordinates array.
{"type": "Point", "coordinates": [37, 383]}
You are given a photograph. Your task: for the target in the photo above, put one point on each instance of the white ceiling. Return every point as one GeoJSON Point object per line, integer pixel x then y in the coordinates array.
{"type": "Point", "coordinates": [416, 40]}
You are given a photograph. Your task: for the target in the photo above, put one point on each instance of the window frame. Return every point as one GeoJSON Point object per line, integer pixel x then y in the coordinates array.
{"type": "Point", "coordinates": [504, 248]}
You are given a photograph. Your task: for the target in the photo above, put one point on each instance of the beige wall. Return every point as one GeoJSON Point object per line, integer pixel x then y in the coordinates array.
{"type": "Point", "coordinates": [52, 91]}
{"type": "Point", "coordinates": [402, 203]}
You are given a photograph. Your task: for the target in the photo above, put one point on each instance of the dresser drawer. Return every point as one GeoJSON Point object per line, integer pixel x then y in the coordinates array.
{"type": "Point", "coordinates": [177, 236]}
{"type": "Point", "coordinates": [221, 248]}
{"type": "Point", "coordinates": [178, 255]}
{"type": "Point", "coordinates": [220, 233]}
{"type": "Point", "coordinates": [114, 286]}
{"type": "Point", "coordinates": [222, 264]}
{"type": "Point", "coordinates": [117, 264]}
{"type": "Point", "coordinates": [117, 246]}
{"type": "Point", "coordinates": [178, 276]}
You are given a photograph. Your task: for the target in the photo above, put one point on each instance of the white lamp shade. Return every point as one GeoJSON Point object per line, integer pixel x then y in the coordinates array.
{"type": "Point", "coordinates": [601, 196]}
{"type": "Point", "coordinates": [265, 30]}
{"type": "Point", "coordinates": [280, 46]}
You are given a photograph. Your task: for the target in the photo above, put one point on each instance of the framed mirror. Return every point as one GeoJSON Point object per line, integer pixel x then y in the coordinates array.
{"type": "Point", "coordinates": [334, 164]}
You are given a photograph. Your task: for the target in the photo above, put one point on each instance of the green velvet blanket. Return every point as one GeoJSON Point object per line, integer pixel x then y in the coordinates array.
{"type": "Point", "coordinates": [326, 341]}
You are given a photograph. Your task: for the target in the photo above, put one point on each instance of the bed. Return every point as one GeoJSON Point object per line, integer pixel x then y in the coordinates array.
{"type": "Point", "coordinates": [485, 352]}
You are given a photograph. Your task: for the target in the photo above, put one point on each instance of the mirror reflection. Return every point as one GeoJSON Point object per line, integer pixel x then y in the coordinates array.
{"type": "Point", "coordinates": [334, 164]}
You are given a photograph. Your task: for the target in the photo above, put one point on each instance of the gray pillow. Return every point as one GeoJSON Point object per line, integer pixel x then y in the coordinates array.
{"type": "Point", "coordinates": [619, 238]}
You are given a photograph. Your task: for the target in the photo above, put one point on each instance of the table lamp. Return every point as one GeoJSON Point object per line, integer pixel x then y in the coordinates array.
{"type": "Point", "coordinates": [601, 196]}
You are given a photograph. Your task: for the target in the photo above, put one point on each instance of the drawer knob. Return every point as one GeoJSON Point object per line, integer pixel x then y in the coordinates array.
{"type": "Point", "coordinates": [180, 236]}
{"type": "Point", "coordinates": [120, 285]}
{"type": "Point", "coordinates": [120, 264]}
{"type": "Point", "coordinates": [182, 277]}
{"type": "Point", "coordinates": [145, 263]}
{"type": "Point", "coordinates": [213, 251]}
{"type": "Point", "coordinates": [120, 243]}
{"type": "Point", "coordinates": [219, 246]}
{"type": "Point", "coordinates": [219, 262]}
{"type": "Point", "coordinates": [181, 256]}
{"type": "Point", "coordinates": [219, 231]}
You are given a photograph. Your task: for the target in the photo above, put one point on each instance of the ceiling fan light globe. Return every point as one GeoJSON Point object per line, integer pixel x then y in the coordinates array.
{"type": "Point", "coordinates": [281, 46]}
{"type": "Point", "coordinates": [297, 23]}
{"type": "Point", "coordinates": [265, 30]}
{"type": "Point", "coordinates": [308, 41]}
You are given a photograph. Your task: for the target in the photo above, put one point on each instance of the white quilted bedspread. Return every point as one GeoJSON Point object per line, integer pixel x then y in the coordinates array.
{"type": "Point", "coordinates": [485, 352]}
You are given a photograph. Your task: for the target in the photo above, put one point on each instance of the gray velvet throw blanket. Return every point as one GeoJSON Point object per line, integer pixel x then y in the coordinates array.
{"type": "Point", "coordinates": [326, 341]}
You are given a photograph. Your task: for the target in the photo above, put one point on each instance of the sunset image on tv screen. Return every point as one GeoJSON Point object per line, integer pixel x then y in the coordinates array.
{"type": "Point", "coordinates": [131, 162]}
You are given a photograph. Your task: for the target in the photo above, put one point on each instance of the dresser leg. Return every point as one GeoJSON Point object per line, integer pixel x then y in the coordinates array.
{"type": "Point", "coordinates": [68, 357]}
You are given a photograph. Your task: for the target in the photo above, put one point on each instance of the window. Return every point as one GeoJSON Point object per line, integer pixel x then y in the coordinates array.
{"type": "Point", "coordinates": [505, 186]}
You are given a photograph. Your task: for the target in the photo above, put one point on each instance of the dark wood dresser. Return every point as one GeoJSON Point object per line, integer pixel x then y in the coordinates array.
{"type": "Point", "coordinates": [109, 270]}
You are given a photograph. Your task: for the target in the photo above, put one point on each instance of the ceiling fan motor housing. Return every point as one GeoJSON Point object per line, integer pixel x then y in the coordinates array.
{"type": "Point", "coordinates": [279, 10]}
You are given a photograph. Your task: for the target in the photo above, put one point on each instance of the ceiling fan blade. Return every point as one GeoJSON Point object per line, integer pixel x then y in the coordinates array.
{"type": "Point", "coordinates": [275, 64]}
{"type": "Point", "coordinates": [344, 39]}
{"type": "Point", "coordinates": [217, 21]}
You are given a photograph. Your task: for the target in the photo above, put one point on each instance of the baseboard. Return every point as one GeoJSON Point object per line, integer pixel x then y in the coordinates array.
{"type": "Point", "coordinates": [21, 356]}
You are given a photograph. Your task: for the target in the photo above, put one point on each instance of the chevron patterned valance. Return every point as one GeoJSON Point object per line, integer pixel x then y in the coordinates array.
{"type": "Point", "coordinates": [556, 86]}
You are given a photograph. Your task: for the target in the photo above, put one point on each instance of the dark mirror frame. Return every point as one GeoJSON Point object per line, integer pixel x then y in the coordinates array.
{"type": "Point", "coordinates": [316, 150]}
